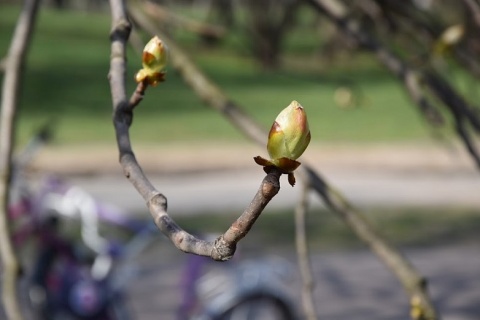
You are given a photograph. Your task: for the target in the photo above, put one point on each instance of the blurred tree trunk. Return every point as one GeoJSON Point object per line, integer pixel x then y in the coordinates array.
{"type": "Point", "coordinates": [10, 94]}
{"type": "Point", "coordinates": [222, 11]}
{"type": "Point", "coordinates": [269, 21]}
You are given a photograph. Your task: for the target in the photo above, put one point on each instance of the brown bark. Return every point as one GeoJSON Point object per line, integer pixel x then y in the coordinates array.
{"type": "Point", "coordinates": [10, 93]}
{"type": "Point", "coordinates": [412, 281]}
{"type": "Point", "coordinates": [224, 246]}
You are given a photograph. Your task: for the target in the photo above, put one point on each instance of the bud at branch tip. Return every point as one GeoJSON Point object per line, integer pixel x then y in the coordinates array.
{"type": "Point", "coordinates": [287, 140]}
{"type": "Point", "coordinates": [154, 61]}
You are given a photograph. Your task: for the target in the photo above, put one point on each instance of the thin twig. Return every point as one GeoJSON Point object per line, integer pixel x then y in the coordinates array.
{"type": "Point", "coordinates": [304, 262]}
{"type": "Point", "coordinates": [474, 8]}
{"type": "Point", "coordinates": [171, 19]}
{"type": "Point", "coordinates": [10, 94]}
{"type": "Point", "coordinates": [407, 75]}
{"type": "Point", "coordinates": [414, 284]}
{"type": "Point", "coordinates": [411, 77]}
{"type": "Point", "coordinates": [201, 85]}
{"type": "Point", "coordinates": [138, 95]}
{"type": "Point", "coordinates": [3, 63]}
{"type": "Point", "coordinates": [462, 113]}
{"type": "Point", "coordinates": [224, 246]}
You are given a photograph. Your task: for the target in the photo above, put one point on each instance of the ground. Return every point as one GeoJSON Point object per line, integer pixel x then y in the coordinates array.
{"type": "Point", "coordinates": [198, 157]}
{"type": "Point", "coordinates": [350, 283]}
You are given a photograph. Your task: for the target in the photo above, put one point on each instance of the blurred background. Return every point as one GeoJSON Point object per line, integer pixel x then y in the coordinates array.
{"type": "Point", "coordinates": [414, 180]}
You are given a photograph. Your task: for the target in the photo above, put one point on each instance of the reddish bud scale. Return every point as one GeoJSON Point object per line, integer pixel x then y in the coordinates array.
{"type": "Point", "coordinates": [288, 138]}
{"type": "Point", "coordinates": [154, 61]}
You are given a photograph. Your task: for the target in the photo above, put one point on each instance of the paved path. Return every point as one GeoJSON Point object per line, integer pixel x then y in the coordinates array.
{"type": "Point", "coordinates": [219, 178]}
{"type": "Point", "coordinates": [230, 191]}
{"type": "Point", "coordinates": [349, 285]}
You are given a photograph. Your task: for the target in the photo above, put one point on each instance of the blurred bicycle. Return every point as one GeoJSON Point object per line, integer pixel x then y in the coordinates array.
{"type": "Point", "coordinates": [88, 276]}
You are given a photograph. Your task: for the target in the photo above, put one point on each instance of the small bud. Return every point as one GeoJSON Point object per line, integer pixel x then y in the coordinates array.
{"type": "Point", "coordinates": [453, 34]}
{"type": "Point", "coordinates": [290, 134]}
{"type": "Point", "coordinates": [416, 311]}
{"type": "Point", "coordinates": [287, 140]}
{"type": "Point", "coordinates": [448, 39]}
{"type": "Point", "coordinates": [154, 61]}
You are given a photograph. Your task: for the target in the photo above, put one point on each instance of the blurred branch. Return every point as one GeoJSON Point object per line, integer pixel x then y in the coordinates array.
{"type": "Point", "coordinates": [463, 113]}
{"type": "Point", "coordinates": [469, 62]}
{"type": "Point", "coordinates": [412, 281]}
{"type": "Point", "coordinates": [411, 78]}
{"type": "Point", "coordinates": [460, 110]}
{"type": "Point", "coordinates": [474, 7]}
{"type": "Point", "coordinates": [431, 28]}
{"type": "Point", "coordinates": [167, 17]}
{"type": "Point", "coordinates": [303, 258]}
{"type": "Point", "coordinates": [224, 246]}
{"type": "Point", "coordinates": [10, 93]}
{"type": "Point", "coordinates": [408, 76]}
{"type": "Point", "coordinates": [201, 85]}
{"type": "Point", "coordinates": [414, 284]}
{"type": "Point", "coordinates": [268, 22]}
{"type": "Point", "coordinates": [3, 64]}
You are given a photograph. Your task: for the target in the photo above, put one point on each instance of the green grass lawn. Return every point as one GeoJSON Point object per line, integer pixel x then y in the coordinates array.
{"type": "Point", "coordinates": [66, 80]}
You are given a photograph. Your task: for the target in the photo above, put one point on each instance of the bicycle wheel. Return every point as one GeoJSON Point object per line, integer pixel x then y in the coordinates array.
{"type": "Point", "coordinates": [258, 306]}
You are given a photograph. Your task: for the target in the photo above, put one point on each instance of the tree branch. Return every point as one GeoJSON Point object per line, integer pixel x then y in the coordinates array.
{"type": "Point", "coordinates": [303, 258]}
{"type": "Point", "coordinates": [414, 284]}
{"type": "Point", "coordinates": [411, 78]}
{"type": "Point", "coordinates": [208, 92]}
{"type": "Point", "coordinates": [10, 93]}
{"type": "Point", "coordinates": [171, 19]}
{"type": "Point", "coordinates": [474, 7]}
{"type": "Point", "coordinates": [224, 246]}
{"type": "Point", "coordinates": [3, 63]}
{"type": "Point", "coordinates": [460, 111]}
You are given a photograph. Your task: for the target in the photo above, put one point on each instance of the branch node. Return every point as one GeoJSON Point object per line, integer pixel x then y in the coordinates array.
{"type": "Point", "coordinates": [270, 189]}
{"type": "Point", "coordinates": [223, 250]}
{"type": "Point", "coordinates": [121, 30]}
{"type": "Point", "coordinates": [157, 200]}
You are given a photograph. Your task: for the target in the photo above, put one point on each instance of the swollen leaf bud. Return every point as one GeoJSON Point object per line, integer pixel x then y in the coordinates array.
{"type": "Point", "coordinates": [448, 39]}
{"type": "Point", "coordinates": [290, 134]}
{"type": "Point", "coordinates": [287, 140]}
{"type": "Point", "coordinates": [453, 34]}
{"type": "Point", "coordinates": [154, 61]}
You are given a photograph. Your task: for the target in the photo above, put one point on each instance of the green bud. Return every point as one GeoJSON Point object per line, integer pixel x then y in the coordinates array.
{"type": "Point", "coordinates": [287, 140]}
{"type": "Point", "coordinates": [154, 61]}
{"type": "Point", "coordinates": [290, 134]}
{"type": "Point", "coordinates": [448, 39]}
{"type": "Point", "coordinates": [453, 34]}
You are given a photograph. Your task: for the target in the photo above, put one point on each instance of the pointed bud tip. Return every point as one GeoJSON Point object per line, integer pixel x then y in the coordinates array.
{"type": "Point", "coordinates": [295, 105]}
{"type": "Point", "coordinates": [155, 55]}
{"type": "Point", "coordinates": [154, 61]}
{"type": "Point", "coordinates": [290, 133]}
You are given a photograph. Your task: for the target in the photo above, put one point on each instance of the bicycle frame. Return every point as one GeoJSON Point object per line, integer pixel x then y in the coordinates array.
{"type": "Point", "coordinates": [59, 270]}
